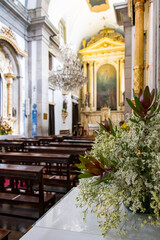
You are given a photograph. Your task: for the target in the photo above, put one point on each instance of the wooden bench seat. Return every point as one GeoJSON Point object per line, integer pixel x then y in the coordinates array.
{"type": "Point", "coordinates": [4, 234]}
{"type": "Point", "coordinates": [50, 159]}
{"type": "Point", "coordinates": [12, 195]}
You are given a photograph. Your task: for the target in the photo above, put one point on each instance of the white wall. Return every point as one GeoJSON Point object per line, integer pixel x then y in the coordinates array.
{"type": "Point", "coordinates": [80, 21]}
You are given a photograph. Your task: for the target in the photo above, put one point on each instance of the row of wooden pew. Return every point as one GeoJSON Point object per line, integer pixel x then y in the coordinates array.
{"type": "Point", "coordinates": [35, 172]}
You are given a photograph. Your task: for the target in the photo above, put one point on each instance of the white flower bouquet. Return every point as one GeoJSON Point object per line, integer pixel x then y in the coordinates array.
{"type": "Point", "coordinates": [123, 168]}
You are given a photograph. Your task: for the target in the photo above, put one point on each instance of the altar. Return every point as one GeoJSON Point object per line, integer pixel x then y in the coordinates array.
{"type": "Point", "coordinates": [64, 221]}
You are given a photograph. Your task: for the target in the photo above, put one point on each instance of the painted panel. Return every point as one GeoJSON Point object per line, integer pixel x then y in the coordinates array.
{"type": "Point", "coordinates": [106, 87]}
{"type": "Point", "coordinates": [95, 2]}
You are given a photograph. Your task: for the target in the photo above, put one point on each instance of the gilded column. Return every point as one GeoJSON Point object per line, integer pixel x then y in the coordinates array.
{"type": "Point", "coordinates": [9, 77]}
{"type": "Point", "coordinates": [139, 46]}
{"type": "Point", "coordinates": [121, 83]}
{"type": "Point", "coordinates": [84, 89]}
{"type": "Point", "coordinates": [95, 87]}
{"type": "Point", "coordinates": [91, 85]}
{"type": "Point", "coordinates": [9, 97]}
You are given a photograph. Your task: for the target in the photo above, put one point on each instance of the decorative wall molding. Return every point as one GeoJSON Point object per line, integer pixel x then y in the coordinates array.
{"type": "Point", "coordinates": [7, 35]}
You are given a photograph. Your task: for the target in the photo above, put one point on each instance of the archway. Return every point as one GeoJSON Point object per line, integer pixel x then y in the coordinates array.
{"type": "Point", "coordinates": [106, 87]}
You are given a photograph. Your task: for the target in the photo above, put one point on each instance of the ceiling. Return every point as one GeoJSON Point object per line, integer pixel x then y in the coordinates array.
{"type": "Point", "coordinates": [80, 21]}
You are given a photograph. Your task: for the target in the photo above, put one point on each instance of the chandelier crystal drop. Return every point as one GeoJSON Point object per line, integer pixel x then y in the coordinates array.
{"type": "Point", "coordinates": [69, 76]}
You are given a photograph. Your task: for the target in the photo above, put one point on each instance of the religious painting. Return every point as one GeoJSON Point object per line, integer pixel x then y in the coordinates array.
{"type": "Point", "coordinates": [98, 5]}
{"type": "Point", "coordinates": [106, 87]}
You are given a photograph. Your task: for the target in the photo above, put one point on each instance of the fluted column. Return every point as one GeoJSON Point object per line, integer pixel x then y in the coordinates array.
{"type": "Point", "coordinates": [121, 92]}
{"type": "Point", "coordinates": [139, 46]}
{"type": "Point", "coordinates": [91, 85]}
{"type": "Point", "coordinates": [84, 89]}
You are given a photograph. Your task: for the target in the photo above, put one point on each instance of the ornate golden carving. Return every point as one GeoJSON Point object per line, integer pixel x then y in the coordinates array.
{"type": "Point", "coordinates": [7, 35]}
{"type": "Point", "coordinates": [8, 32]}
{"type": "Point", "coordinates": [108, 33]}
{"type": "Point", "coordinates": [84, 42]}
{"type": "Point", "coordinates": [138, 79]}
{"type": "Point", "coordinates": [138, 1]}
{"type": "Point", "coordinates": [139, 6]}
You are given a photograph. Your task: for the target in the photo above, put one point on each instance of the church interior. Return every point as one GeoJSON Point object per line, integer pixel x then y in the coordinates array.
{"type": "Point", "coordinates": [65, 67]}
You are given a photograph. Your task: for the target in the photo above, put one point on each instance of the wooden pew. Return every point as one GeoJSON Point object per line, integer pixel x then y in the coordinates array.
{"type": "Point", "coordinates": [50, 149]}
{"type": "Point", "coordinates": [4, 234]}
{"type": "Point", "coordinates": [75, 152]}
{"type": "Point", "coordinates": [72, 145]}
{"type": "Point", "coordinates": [78, 141]}
{"type": "Point", "coordinates": [12, 195]}
{"type": "Point", "coordinates": [11, 146]}
{"type": "Point", "coordinates": [51, 177]}
{"type": "Point", "coordinates": [26, 141]}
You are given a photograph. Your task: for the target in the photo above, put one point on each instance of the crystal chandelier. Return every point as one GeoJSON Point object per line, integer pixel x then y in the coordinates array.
{"type": "Point", "coordinates": [69, 75]}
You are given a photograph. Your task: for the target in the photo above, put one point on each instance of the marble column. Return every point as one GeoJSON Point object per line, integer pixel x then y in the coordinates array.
{"type": "Point", "coordinates": [139, 46]}
{"type": "Point", "coordinates": [84, 89]}
{"type": "Point", "coordinates": [91, 85]}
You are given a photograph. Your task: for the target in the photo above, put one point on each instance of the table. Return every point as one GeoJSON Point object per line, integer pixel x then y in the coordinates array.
{"type": "Point", "coordinates": [65, 222]}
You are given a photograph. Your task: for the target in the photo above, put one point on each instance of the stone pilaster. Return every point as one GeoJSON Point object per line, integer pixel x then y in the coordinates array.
{"type": "Point", "coordinates": [139, 46]}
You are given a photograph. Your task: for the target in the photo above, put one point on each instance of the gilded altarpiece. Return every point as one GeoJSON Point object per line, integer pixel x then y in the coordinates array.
{"type": "Point", "coordinates": [7, 77]}
{"type": "Point", "coordinates": [103, 64]}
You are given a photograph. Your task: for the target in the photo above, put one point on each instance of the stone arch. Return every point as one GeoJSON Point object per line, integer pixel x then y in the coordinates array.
{"type": "Point", "coordinates": [11, 71]}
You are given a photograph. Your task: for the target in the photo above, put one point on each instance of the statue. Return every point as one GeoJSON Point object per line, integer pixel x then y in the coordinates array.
{"type": "Point", "coordinates": [65, 105]}
{"type": "Point", "coordinates": [86, 99]}
{"type": "Point", "coordinates": [84, 42]}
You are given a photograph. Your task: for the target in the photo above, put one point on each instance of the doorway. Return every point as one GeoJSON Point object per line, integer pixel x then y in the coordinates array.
{"type": "Point", "coordinates": [51, 120]}
{"type": "Point", "coordinates": [74, 117]}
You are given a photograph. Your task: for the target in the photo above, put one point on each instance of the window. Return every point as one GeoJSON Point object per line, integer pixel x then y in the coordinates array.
{"type": "Point", "coordinates": [50, 61]}
{"type": "Point", "coordinates": [62, 30]}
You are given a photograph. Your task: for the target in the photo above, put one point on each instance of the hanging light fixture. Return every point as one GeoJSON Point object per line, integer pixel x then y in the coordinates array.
{"type": "Point", "coordinates": [69, 75]}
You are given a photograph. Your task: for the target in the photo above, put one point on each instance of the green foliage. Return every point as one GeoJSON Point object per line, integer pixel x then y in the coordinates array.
{"type": "Point", "coordinates": [146, 104]}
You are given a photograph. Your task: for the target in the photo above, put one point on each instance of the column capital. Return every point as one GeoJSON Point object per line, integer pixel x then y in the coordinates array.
{"type": "Point", "coordinates": [10, 75]}
{"type": "Point", "coordinates": [139, 1]}
{"type": "Point", "coordinates": [90, 63]}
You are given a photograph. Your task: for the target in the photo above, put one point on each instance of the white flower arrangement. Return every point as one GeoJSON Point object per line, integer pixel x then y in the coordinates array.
{"type": "Point", "coordinates": [123, 168]}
